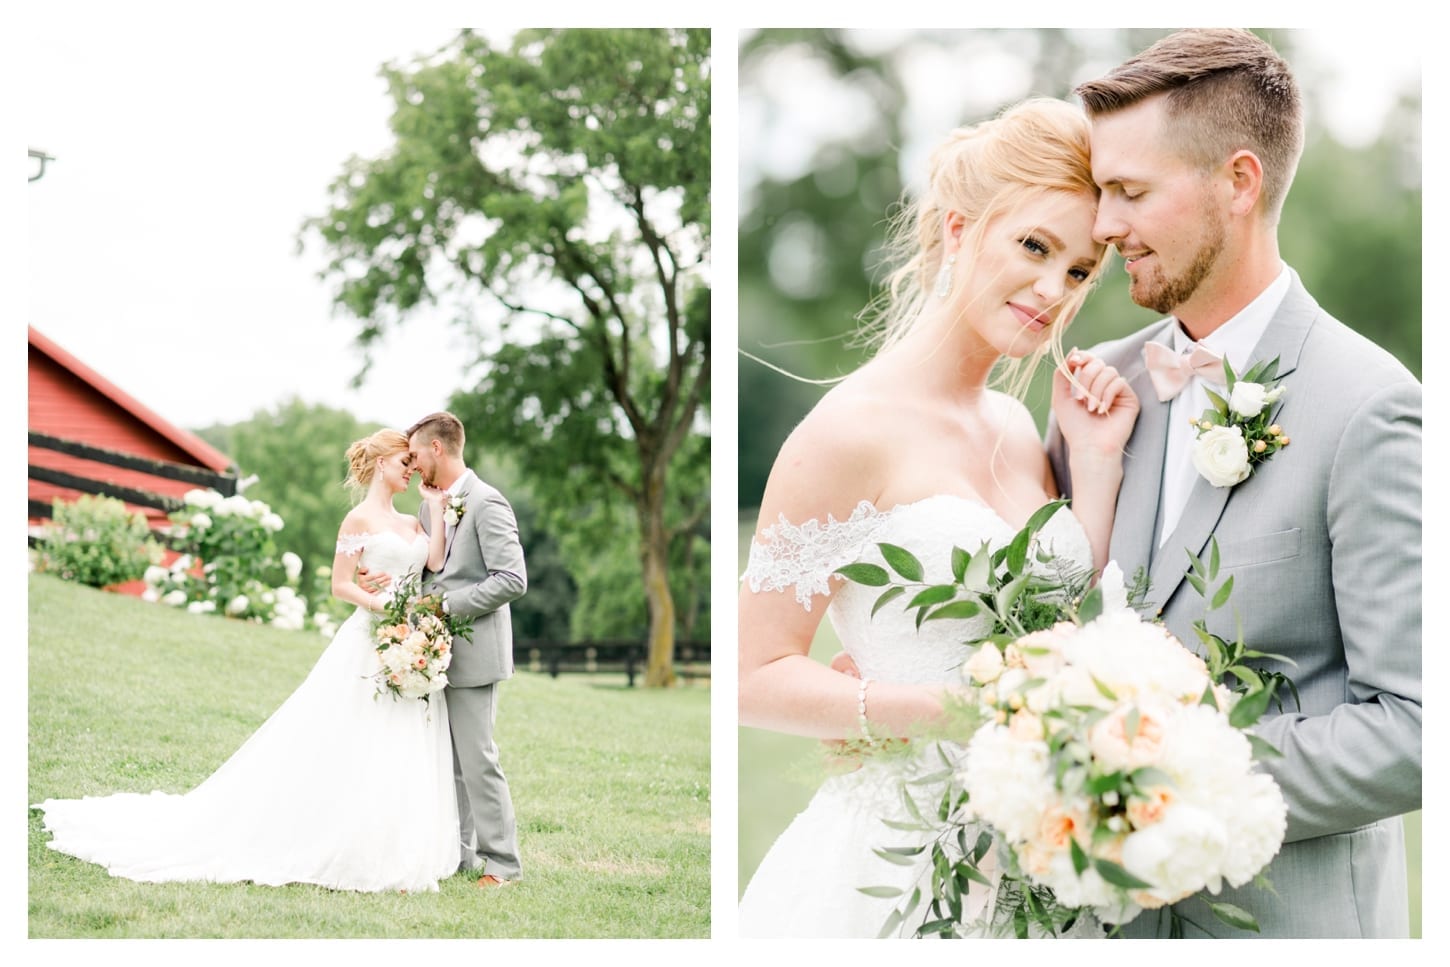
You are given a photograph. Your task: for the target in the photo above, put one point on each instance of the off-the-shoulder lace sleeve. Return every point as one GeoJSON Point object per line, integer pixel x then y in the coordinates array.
{"type": "Point", "coordinates": [351, 544]}
{"type": "Point", "coordinates": [803, 557]}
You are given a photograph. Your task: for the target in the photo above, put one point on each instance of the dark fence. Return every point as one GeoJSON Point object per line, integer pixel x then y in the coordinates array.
{"type": "Point", "coordinates": [692, 658]}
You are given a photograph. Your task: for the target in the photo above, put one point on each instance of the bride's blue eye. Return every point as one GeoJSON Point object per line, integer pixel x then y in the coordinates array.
{"type": "Point", "coordinates": [1035, 245]}
{"type": "Point", "coordinates": [1079, 274]}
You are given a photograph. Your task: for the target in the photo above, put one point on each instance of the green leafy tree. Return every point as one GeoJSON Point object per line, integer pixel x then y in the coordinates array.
{"type": "Point", "coordinates": [566, 178]}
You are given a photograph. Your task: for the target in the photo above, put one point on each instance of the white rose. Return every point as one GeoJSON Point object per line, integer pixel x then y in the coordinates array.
{"type": "Point", "coordinates": [292, 564]}
{"type": "Point", "coordinates": [1247, 399]}
{"type": "Point", "coordinates": [1221, 456]}
{"type": "Point", "coordinates": [985, 665]}
{"type": "Point", "coordinates": [200, 520]}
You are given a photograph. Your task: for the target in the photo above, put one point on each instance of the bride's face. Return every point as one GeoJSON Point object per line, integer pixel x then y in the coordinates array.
{"type": "Point", "coordinates": [1031, 259]}
{"type": "Point", "coordinates": [396, 470]}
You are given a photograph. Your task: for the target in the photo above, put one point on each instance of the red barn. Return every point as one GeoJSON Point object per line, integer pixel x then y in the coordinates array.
{"type": "Point", "coordinates": [87, 435]}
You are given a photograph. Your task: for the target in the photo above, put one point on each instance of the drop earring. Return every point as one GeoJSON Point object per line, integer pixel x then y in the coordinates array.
{"type": "Point", "coordinates": [944, 277]}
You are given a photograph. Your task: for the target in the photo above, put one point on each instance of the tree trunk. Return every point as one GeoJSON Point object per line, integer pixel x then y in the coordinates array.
{"type": "Point", "coordinates": [655, 555]}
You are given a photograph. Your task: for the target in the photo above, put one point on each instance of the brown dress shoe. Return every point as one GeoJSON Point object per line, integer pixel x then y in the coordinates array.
{"type": "Point", "coordinates": [488, 879]}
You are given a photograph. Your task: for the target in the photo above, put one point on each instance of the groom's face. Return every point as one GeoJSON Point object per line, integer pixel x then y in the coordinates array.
{"type": "Point", "coordinates": [425, 464]}
{"type": "Point", "coordinates": [1161, 212]}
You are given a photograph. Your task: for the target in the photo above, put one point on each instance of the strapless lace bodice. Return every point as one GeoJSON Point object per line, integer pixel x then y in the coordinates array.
{"type": "Point", "coordinates": [387, 551]}
{"type": "Point", "coordinates": [799, 559]}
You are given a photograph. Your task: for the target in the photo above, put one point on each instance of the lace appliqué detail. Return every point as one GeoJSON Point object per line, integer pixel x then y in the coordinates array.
{"type": "Point", "coordinates": [352, 544]}
{"type": "Point", "coordinates": [805, 556]}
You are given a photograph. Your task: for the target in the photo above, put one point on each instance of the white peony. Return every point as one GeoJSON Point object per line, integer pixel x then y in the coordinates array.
{"type": "Point", "coordinates": [1247, 399]}
{"type": "Point", "coordinates": [1181, 854]}
{"type": "Point", "coordinates": [1221, 456]}
{"type": "Point", "coordinates": [1007, 781]}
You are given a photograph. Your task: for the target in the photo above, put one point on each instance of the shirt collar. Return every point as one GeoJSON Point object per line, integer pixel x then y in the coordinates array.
{"type": "Point", "coordinates": [457, 486]}
{"type": "Point", "coordinates": [1237, 337]}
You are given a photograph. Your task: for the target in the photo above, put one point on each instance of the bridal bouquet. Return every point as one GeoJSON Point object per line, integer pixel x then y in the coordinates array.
{"type": "Point", "coordinates": [1109, 765]}
{"type": "Point", "coordinates": [414, 640]}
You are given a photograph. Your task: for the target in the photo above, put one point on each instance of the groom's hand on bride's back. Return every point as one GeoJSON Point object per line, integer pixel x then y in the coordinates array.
{"type": "Point", "coordinates": [372, 581]}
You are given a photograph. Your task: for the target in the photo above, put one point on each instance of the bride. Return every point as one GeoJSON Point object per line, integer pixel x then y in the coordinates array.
{"type": "Point", "coordinates": [340, 787]}
{"type": "Point", "coordinates": [914, 449]}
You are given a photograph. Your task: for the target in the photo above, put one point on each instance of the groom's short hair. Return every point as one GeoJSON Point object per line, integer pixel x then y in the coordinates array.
{"type": "Point", "coordinates": [1226, 90]}
{"type": "Point", "coordinates": [442, 426]}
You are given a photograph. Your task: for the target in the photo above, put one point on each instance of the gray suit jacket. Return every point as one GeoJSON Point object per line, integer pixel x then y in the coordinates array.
{"type": "Point", "coordinates": [1323, 542]}
{"type": "Point", "coordinates": [483, 570]}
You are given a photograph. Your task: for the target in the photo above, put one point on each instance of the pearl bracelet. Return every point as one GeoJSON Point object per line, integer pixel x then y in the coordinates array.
{"type": "Point", "coordinates": [861, 712]}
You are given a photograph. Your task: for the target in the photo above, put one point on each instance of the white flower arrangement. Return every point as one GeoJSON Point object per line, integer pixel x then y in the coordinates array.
{"type": "Point", "coordinates": [1107, 768]}
{"type": "Point", "coordinates": [1236, 433]}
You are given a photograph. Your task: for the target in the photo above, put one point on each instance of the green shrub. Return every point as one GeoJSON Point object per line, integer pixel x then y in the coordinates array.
{"type": "Point", "coordinates": [96, 541]}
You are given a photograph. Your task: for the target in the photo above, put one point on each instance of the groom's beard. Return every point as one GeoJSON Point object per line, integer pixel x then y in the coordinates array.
{"type": "Point", "coordinates": [1165, 295]}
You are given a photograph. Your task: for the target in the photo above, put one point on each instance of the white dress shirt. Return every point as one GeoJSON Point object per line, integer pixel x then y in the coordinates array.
{"type": "Point", "coordinates": [1234, 340]}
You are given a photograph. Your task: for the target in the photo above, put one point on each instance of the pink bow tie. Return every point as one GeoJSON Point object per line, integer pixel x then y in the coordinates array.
{"type": "Point", "coordinates": [1171, 371]}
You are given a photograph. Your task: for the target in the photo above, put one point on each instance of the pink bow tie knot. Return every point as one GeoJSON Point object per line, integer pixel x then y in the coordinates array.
{"type": "Point", "coordinates": [1170, 371]}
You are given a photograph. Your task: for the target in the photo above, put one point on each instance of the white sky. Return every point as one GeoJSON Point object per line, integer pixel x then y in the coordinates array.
{"type": "Point", "coordinates": [162, 240]}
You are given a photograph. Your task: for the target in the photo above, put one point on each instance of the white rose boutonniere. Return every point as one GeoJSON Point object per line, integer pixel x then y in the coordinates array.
{"type": "Point", "coordinates": [453, 510]}
{"type": "Point", "coordinates": [1235, 434]}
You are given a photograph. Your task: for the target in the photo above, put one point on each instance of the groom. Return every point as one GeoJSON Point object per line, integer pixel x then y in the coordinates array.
{"type": "Point", "coordinates": [483, 570]}
{"type": "Point", "coordinates": [1194, 144]}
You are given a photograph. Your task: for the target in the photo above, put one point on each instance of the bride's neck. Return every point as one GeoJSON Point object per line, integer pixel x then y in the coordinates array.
{"type": "Point", "coordinates": [947, 359]}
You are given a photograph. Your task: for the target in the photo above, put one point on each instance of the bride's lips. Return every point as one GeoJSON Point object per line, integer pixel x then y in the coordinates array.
{"type": "Point", "coordinates": [1032, 319]}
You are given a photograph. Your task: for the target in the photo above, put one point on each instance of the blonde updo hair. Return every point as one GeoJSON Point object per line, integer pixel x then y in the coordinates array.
{"type": "Point", "coordinates": [983, 171]}
{"type": "Point", "coordinates": [363, 456]}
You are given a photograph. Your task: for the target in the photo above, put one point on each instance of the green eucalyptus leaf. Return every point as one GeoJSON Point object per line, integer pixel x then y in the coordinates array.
{"type": "Point", "coordinates": [891, 855]}
{"type": "Point", "coordinates": [1213, 558]}
{"type": "Point", "coordinates": [936, 594]}
{"type": "Point", "coordinates": [870, 575]}
{"type": "Point", "coordinates": [960, 560]}
{"type": "Point", "coordinates": [1118, 876]}
{"type": "Point", "coordinates": [1234, 916]}
{"type": "Point", "coordinates": [1262, 748]}
{"type": "Point", "coordinates": [1221, 597]}
{"type": "Point", "coordinates": [1079, 858]}
{"type": "Point", "coordinates": [957, 609]}
{"type": "Point", "coordinates": [902, 561]}
{"type": "Point", "coordinates": [1249, 708]}
{"type": "Point", "coordinates": [1091, 606]}
{"type": "Point", "coordinates": [887, 596]}
{"type": "Point", "coordinates": [881, 892]}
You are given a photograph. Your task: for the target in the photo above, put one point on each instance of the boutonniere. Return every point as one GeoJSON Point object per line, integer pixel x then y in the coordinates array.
{"type": "Point", "coordinates": [1235, 433]}
{"type": "Point", "coordinates": [453, 510]}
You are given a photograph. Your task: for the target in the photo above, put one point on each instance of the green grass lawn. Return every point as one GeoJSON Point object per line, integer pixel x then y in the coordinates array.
{"type": "Point", "coordinates": [610, 784]}
{"type": "Point", "coordinates": [778, 774]}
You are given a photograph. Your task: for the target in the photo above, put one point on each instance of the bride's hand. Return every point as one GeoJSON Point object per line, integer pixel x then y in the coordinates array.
{"type": "Point", "coordinates": [1095, 407]}
{"type": "Point", "coordinates": [434, 497]}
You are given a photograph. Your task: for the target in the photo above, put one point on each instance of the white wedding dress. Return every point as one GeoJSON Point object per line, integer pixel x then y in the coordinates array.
{"type": "Point", "coordinates": [807, 884]}
{"type": "Point", "coordinates": [340, 787]}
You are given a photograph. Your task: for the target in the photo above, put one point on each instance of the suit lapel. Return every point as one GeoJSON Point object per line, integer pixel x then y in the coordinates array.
{"type": "Point", "coordinates": [452, 529]}
{"type": "Point", "coordinates": [1284, 337]}
{"type": "Point", "coordinates": [1136, 522]}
